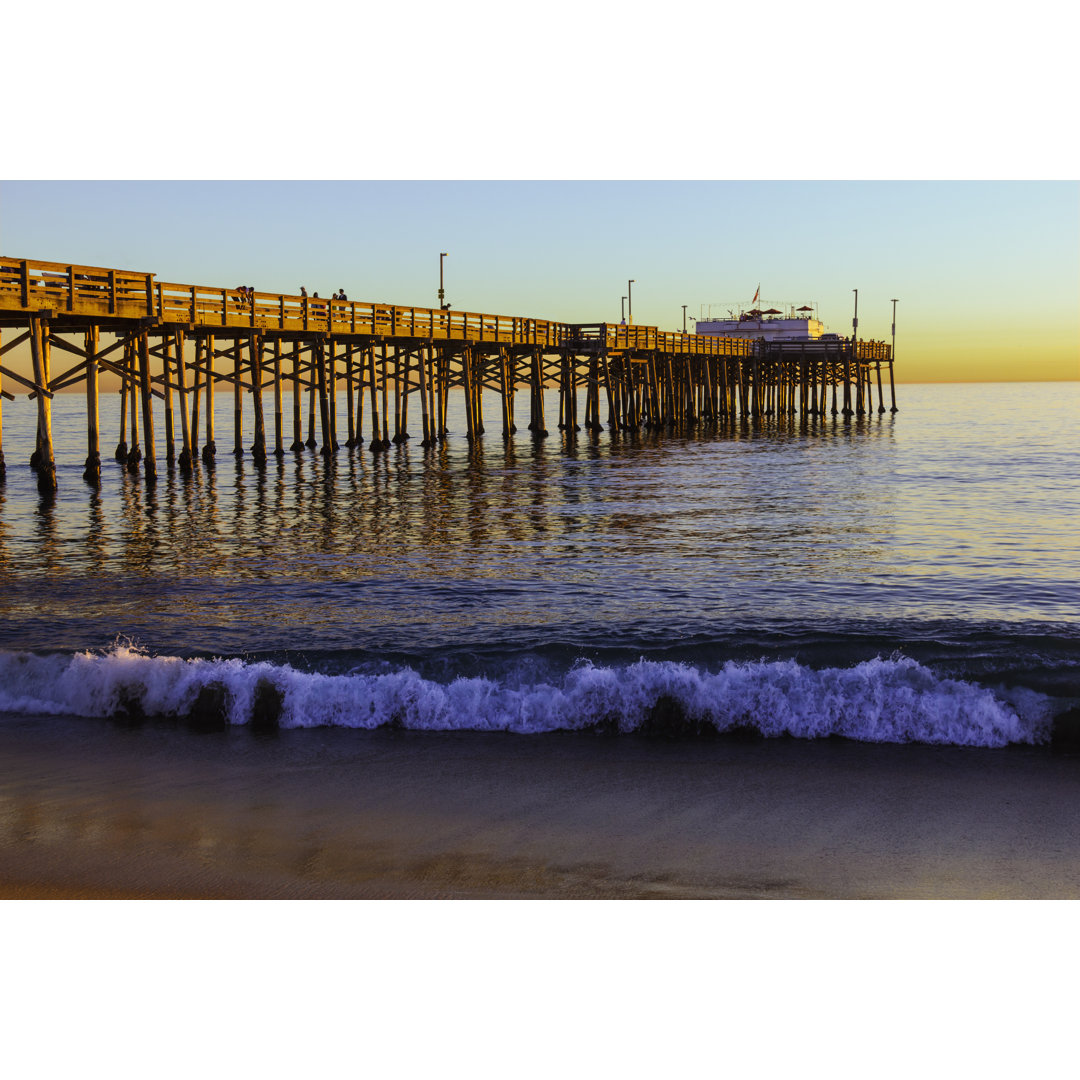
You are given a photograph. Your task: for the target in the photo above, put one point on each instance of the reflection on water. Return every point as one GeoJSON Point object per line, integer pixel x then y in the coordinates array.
{"type": "Point", "coordinates": [951, 509]}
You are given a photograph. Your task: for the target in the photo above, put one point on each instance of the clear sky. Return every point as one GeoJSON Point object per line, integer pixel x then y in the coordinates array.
{"type": "Point", "coordinates": [987, 273]}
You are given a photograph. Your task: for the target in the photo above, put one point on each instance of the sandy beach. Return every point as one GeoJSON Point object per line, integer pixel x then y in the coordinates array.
{"type": "Point", "coordinates": [162, 812]}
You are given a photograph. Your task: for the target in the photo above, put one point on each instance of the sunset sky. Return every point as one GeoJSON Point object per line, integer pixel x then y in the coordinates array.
{"type": "Point", "coordinates": [987, 273]}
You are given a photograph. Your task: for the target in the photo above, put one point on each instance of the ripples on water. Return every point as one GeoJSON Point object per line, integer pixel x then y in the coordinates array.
{"type": "Point", "coordinates": [949, 531]}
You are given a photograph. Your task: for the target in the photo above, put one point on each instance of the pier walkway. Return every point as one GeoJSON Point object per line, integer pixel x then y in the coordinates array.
{"type": "Point", "coordinates": [171, 337]}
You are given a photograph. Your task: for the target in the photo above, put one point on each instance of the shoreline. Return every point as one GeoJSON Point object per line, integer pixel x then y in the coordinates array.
{"type": "Point", "coordinates": [89, 810]}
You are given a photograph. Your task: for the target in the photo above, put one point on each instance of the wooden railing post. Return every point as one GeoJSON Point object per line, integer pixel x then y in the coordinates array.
{"type": "Point", "coordinates": [71, 288]}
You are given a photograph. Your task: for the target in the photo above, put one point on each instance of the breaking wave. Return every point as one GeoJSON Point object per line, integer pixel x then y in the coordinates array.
{"type": "Point", "coordinates": [894, 700]}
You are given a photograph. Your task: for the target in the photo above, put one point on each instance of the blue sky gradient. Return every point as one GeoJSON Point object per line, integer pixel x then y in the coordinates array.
{"type": "Point", "coordinates": [981, 268]}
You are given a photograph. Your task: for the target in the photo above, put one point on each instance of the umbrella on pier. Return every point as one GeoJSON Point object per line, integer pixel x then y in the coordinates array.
{"type": "Point", "coordinates": [805, 307]}
{"type": "Point", "coordinates": [772, 311]}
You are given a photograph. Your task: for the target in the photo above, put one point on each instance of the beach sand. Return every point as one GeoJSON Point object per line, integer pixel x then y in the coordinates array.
{"type": "Point", "coordinates": [92, 810]}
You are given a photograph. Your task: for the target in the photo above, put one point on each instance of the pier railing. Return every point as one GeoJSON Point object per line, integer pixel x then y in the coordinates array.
{"type": "Point", "coordinates": [99, 291]}
{"type": "Point", "coordinates": [103, 292]}
{"type": "Point", "coordinates": [34, 285]}
{"type": "Point", "coordinates": [89, 290]}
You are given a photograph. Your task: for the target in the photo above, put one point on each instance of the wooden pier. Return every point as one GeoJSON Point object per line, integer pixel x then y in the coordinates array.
{"type": "Point", "coordinates": [177, 343]}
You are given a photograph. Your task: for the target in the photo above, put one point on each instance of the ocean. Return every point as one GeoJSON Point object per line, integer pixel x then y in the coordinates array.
{"type": "Point", "coordinates": [836, 659]}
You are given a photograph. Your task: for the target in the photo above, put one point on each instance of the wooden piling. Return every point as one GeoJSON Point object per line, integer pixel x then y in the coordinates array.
{"type": "Point", "coordinates": [255, 348]}
{"type": "Point", "coordinates": [92, 468]}
{"type": "Point", "coordinates": [313, 391]}
{"type": "Point", "coordinates": [470, 395]}
{"type": "Point", "coordinates": [478, 391]}
{"type": "Point", "coordinates": [39, 348]}
{"type": "Point", "coordinates": [432, 391]}
{"type": "Point", "coordinates": [186, 444]}
{"type": "Point", "coordinates": [3, 467]}
{"type": "Point", "coordinates": [238, 397]}
{"type": "Point", "coordinates": [197, 380]}
{"type": "Point", "coordinates": [385, 399]}
{"type": "Point", "coordinates": [504, 393]}
{"type": "Point", "coordinates": [149, 458]}
{"type": "Point", "coordinates": [376, 434]}
{"type": "Point", "coordinates": [297, 402]}
{"type": "Point", "coordinates": [397, 439]}
{"type": "Point", "coordinates": [847, 380]}
{"type": "Point", "coordinates": [440, 378]}
{"type": "Point", "coordinates": [121, 445]}
{"type": "Point", "coordinates": [360, 401]}
{"type": "Point", "coordinates": [330, 360]}
{"type": "Point", "coordinates": [135, 452]}
{"type": "Point", "coordinates": [319, 359]}
{"type": "Point", "coordinates": [166, 386]}
{"type": "Point", "coordinates": [511, 386]}
{"type": "Point", "coordinates": [406, 390]}
{"type": "Point", "coordinates": [209, 353]}
{"type": "Point", "coordinates": [350, 440]}
{"type": "Point", "coordinates": [424, 416]}
{"type": "Point", "coordinates": [279, 444]}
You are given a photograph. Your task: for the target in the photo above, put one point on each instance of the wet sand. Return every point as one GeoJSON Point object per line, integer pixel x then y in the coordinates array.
{"type": "Point", "coordinates": [88, 809]}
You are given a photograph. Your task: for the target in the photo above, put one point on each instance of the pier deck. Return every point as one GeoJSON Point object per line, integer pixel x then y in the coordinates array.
{"type": "Point", "coordinates": [382, 354]}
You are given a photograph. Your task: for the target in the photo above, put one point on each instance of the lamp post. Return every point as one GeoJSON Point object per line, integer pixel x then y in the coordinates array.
{"type": "Point", "coordinates": [684, 318]}
{"type": "Point", "coordinates": [442, 293]}
{"type": "Point", "coordinates": [630, 299]}
{"type": "Point", "coordinates": [892, 359]}
{"type": "Point", "coordinates": [622, 309]}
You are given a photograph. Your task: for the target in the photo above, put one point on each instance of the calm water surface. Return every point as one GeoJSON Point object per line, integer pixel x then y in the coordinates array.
{"type": "Point", "coordinates": [754, 574]}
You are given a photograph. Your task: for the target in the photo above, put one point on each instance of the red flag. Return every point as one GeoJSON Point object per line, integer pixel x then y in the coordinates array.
{"type": "Point", "coordinates": [758, 290]}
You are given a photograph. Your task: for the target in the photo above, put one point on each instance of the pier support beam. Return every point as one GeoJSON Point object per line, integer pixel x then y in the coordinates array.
{"type": "Point", "coordinates": [210, 449]}
{"type": "Point", "coordinates": [121, 452]}
{"type": "Point", "coordinates": [131, 366]}
{"type": "Point", "coordinates": [376, 433]}
{"type": "Point", "coordinates": [45, 463]}
{"type": "Point", "coordinates": [186, 445]}
{"type": "Point", "coordinates": [3, 467]}
{"type": "Point", "coordinates": [167, 387]}
{"type": "Point", "coordinates": [255, 348]}
{"type": "Point", "coordinates": [350, 441]}
{"type": "Point", "coordinates": [238, 398]}
{"type": "Point", "coordinates": [425, 416]}
{"type": "Point", "coordinates": [92, 468]}
{"type": "Point", "coordinates": [297, 402]}
{"type": "Point", "coordinates": [279, 445]}
{"type": "Point", "coordinates": [330, 361]}
{"type": "Point", "coordinates": [149, 459]}
{"type": "Point", "coordinates": [318, 357]}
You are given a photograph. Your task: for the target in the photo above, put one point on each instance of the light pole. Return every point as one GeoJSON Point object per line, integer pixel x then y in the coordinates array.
{"type": "Point", "coordinates": [684, 318]}
{"type": "Point", "coordinates": [442, 255]}
{"type": "Point", "coordinates": [892, 359]}
{"type": "Point", "coordinates": [630, 299]}
{"type": "Point", "coordinates": [622, 309]}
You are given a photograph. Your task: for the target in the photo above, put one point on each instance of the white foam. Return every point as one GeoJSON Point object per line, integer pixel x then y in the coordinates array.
{"type": "Point", "coordinates": [891, 700]}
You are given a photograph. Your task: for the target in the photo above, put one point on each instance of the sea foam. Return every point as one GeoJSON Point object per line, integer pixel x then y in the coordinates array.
{"type": "Point", "coordinates": [893, 700]}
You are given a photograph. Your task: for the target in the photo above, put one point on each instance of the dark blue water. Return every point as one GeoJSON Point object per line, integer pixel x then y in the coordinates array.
{"type": "Point", "coordinates": [892, 579]}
